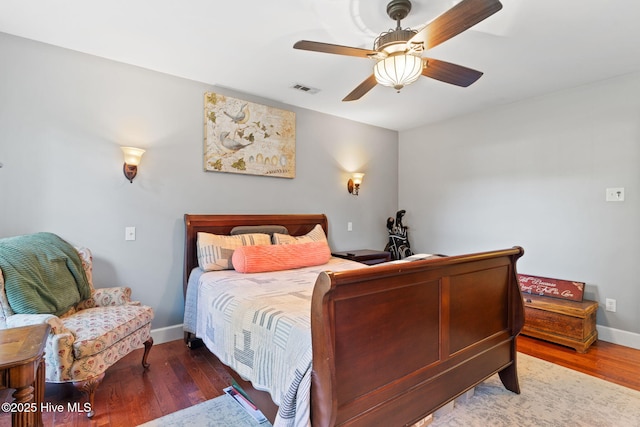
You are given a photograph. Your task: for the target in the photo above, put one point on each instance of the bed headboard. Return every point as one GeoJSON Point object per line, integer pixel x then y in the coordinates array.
{"type": "Point", "coordinates": [297, 224]}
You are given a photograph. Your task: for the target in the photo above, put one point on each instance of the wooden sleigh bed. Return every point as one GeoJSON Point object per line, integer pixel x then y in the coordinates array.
{"type": "Point", "coordinates": [433, 329]}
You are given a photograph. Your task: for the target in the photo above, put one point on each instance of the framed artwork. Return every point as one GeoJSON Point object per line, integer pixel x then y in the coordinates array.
{"type": "Point", "coordinates": [248, 138]}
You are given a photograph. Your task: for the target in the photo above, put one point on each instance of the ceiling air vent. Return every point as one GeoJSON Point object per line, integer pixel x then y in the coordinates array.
{"type": "Point", "coordinates": [306, 89]}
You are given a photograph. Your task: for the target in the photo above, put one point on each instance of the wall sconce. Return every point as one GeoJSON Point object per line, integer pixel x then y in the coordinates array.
{"type": "Point", "coordinates": [353, 185]}
{"type": "Point", "coordinates": [132, 158]}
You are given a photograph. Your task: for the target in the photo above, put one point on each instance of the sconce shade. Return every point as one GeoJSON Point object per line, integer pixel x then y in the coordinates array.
{"type": "Point", "coordinates": [353, 185]}
{"type": "Point", "coordinates": [132, 157]}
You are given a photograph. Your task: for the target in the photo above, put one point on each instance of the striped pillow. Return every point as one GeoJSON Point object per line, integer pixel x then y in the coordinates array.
{"type": "Point", "coordinates": [215, 251]}
{"type": "Point", "coordinates": [256, 259]}
{"type": "Point", "coordinates": [315, 235]}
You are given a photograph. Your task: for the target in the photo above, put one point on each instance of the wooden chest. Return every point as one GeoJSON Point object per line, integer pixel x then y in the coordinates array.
{"type": "Point", "coordinates": [569, 323]}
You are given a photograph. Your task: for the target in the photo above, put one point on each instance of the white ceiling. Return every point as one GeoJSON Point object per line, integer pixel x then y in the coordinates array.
{"type": "Point", "coordinates": [530, 47]}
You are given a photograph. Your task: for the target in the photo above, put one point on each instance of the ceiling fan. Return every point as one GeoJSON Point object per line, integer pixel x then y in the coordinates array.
{"type": "Point", "coordinates": [398, 52]}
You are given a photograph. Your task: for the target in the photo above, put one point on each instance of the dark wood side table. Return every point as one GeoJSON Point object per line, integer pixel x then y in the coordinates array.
{"type": "Point", "coordinates": [365, 256]}
{"type": "Point", "coordinates": [22, 368]}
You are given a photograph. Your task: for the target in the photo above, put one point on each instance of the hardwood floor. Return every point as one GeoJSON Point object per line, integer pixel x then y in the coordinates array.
{"type": "Point", "coordinates": [177, 378]}
{"type": "Point", "coordinates": [180, 377]}
{"type": "Point", "coordinates": [611, 362]}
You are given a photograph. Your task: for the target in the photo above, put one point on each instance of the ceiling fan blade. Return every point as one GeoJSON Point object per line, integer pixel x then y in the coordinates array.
{"type": "Point", "coordinates": [460, 17]}
{"type": "Point", "coordinates": [333, 48]}
{"type": "Point", "coordinates": [362, 89]}
{"type": "Point", "coordinates": [450, 73]}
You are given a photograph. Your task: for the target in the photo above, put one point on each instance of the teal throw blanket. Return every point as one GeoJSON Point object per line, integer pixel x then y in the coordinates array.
{"type": "Point", "coordinates": [43, 274]}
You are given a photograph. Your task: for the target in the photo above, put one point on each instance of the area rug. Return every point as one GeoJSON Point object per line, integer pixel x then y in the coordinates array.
{"type": "Point", "coordinates": [550, 396]}
{"type": "Point", "coordinates": [222, 411]}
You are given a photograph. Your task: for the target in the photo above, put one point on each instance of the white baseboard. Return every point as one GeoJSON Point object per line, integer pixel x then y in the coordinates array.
{"type": "Point", "coordinates": [617, 336]}
{"type": "Point", "coordinates": [166, 334]}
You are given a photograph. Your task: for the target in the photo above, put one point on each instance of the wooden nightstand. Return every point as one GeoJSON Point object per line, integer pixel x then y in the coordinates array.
{"type": "Point", "coordinates": [365, 256]}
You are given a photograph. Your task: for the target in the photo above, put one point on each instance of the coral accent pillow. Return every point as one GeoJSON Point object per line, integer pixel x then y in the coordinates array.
{"type": "Point", "coordinates": [256, 259]}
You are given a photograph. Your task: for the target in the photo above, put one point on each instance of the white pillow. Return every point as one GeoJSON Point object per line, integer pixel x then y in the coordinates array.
{"type": "Point", "coordinates": [315, 235]}
{"type": "Point", "coordinates": [215, 251]}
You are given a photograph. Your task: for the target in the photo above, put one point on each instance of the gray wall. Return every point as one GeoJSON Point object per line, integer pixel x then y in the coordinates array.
{"type": "Point", "coordinates": [534, 174]}
{"type": "Point", "coordinates": [64, 116]}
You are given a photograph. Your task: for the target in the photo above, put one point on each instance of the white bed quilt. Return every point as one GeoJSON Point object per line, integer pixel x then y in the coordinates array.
{"type": "Point", "coordinates": [259, 325]}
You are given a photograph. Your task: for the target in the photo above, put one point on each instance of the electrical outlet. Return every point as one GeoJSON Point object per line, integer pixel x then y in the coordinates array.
{"type": "Point", "coordinates": [610, 304]}
{"type": "Point", "coordinates": [130, 233]}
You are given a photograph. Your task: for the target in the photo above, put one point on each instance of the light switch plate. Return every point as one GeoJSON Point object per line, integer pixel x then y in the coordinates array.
{"type": "Point", "coordinates": [130, 233]}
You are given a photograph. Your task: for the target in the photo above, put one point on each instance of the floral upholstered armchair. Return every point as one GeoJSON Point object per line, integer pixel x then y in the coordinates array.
{"type": "Point", "coordinates": [43, 279]}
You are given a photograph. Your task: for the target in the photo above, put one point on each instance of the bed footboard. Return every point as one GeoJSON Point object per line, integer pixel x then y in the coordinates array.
{"type": "Point", "coordinates": [393, 343]}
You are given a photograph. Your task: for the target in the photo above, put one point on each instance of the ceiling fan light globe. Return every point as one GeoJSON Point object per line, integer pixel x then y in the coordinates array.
{"type": "Point", "coordinates": [398, 70]}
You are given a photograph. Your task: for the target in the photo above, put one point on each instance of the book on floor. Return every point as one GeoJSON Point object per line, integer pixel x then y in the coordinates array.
{"type": "Point", "coordinates": [246, 404]}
